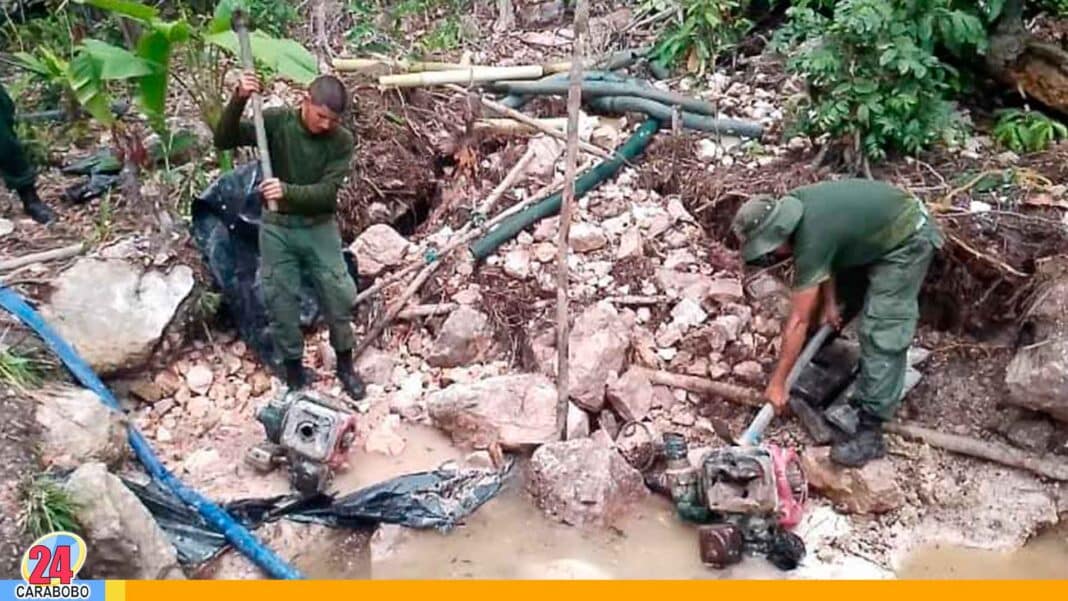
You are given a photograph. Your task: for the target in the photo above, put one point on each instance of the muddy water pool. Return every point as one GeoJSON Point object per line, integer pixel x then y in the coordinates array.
{"type": "Point", "coordinates": [509, 538]}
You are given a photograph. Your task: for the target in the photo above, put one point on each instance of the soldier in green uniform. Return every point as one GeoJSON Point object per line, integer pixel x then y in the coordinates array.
{"type": "Point", "coordinates": [17, 172]}
{"type": "Point", "coordinates": [310, 153]}
{"type": "Point", "coordinates": [867, 245]}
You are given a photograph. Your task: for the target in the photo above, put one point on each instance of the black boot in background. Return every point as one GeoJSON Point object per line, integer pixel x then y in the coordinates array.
{"type": "Point", "coordinates": [346, 374]}
{"type": "Point", "coordinates": [34, 207]}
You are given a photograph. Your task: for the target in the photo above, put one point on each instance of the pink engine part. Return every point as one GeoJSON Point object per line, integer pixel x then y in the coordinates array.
{"type": "Point", "coordinates": [791, 506]}
{"type": "Point", "coordinates": [346, 434]}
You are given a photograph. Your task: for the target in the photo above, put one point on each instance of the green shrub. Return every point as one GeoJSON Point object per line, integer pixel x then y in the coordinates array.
{"type": "Point", "coordinates": [46, 507]}
{"type": "Point", "coordinates": [873, 69]}
{"type": "Point", "coordinates": [1027, 131]}
{"type": "Point", "coordinates": [699, 30]}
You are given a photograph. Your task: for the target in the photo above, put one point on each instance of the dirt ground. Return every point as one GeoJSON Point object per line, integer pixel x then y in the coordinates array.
{"type": "Point", "coordinates": [18, 459]}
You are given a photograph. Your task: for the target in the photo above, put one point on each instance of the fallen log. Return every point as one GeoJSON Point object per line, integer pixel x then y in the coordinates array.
{"type": "Point", "coordinates": [55, 254]}
{"type": "Point", "coordinates": [983, 449]}
{"type": "Point", "coordinates": [738, 394]}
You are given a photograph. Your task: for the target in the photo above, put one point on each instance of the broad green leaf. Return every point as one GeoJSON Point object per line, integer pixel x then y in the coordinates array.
{"type": "Point", "coordinates": [285, 57]}
{"type": "Point", "coordinates": [114, 62]}
{"type": "Point", "coordinates": [84, 79]}
{"type": "Point", "coordinates": [155, 48]}
{"type": "Point", "coordinates": [126, 8]}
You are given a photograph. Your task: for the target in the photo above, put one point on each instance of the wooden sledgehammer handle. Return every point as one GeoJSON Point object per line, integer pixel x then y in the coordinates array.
{"type": "Point", "coordinates": [239, 21]}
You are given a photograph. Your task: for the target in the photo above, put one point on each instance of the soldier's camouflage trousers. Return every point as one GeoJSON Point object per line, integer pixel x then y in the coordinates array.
{"type": "Point", "coordinates": [15, 169]}
{"type": "Point", "coordinates": [291, 246]}
{"type": "Point", "coordinates": [886, 294]}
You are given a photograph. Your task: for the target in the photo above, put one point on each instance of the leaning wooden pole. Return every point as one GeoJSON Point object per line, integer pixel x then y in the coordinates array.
{"type": "Point", "coordinates": [574, 101]}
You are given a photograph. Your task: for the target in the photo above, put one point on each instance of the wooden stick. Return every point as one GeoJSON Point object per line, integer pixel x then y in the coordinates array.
{"type": "Point", "coordinates": [362, 65]}
{"type": "Point", "coordinates": [418, 311]}
{"type": "Point", "coordinates": [535, 123]}
{"type": "Point", "coordinates": [983, 449]}
{"type": "Point", "coordinates": [991, 260]}
{"type": "Point", "coordinates": [519, 170]}
{"type": "Point", "coordinates": [633, 300]}
{"type": "Point", "coordinates": [391, 314]}
{"type": "Point", "coordinates": [738, 394]}
{"type": "Point", "coordinates": [574, 102]}
{"type": "Point", "coordinates": [55, 254]}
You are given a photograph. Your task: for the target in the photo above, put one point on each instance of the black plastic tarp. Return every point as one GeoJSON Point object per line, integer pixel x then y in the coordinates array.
{"type": "Point", "coordinates": [438, 499]}
{"type": "Point", "coordinates": [225, 227]}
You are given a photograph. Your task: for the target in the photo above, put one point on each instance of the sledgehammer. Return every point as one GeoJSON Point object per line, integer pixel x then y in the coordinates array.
{"type": "Point", "coordinates": [239, 22]}
{"type": "Point", "coordinates": [752, 434]}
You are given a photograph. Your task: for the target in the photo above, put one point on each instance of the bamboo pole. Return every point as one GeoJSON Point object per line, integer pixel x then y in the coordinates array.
{"type": "Point", "coordinates": [511, 126]}
{"type": "Point", "coordinates": [364, 65]}
{"type": "Point", "coordinates": [465, 75]}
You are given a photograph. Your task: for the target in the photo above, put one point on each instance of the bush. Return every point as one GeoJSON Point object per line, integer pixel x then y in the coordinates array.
{"type": "Point", "coordinates": [46, 507]}
{"type": "Point", "coordinates": [874, 76]}
{"type": "Point", "coordinates": [700, 30]}
{"type": "Point", "coordinates": [1027, 131]}
{"type": "Point", "coordinates": [273, 16]}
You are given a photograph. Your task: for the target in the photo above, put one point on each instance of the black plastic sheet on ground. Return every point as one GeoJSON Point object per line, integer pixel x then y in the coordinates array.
{"type": "Point", "coordinates": [225, 227]}
{"type": "Point", "coordinates": [438, 499]}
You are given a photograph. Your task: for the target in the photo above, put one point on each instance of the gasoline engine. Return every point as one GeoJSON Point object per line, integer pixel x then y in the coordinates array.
{"type": "Point", "coordinates": [744, 498]}
{"type": "Point", "coordinates": [308, 434]}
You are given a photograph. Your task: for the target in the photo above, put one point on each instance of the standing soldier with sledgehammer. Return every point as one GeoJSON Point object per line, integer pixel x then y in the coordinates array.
{"type": "Point", "coordinates": [310, 153]}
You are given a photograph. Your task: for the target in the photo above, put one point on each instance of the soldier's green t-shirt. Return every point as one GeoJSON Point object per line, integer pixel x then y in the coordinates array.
{"type": "Point", "coordinates": [312, 168]}
{"type": "Point", "coordinates": [848, 223]}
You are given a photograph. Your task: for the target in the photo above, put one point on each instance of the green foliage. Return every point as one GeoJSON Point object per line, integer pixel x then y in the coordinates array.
{"type": "Point", "coordinates": [47, 507]}
{"type": "Point", "coordinates": [385, 25]}
{"type": "Point", "coordinates": [1027, 131]}
{"type": "Point", "coordinates": [273, 16]}
{"type": "Point", "coordinates": [699, 30]}
{"type": "Point", "coordinates": [18, 370]}
{"type": "Point", "coordinates": [446, 36]}
{"type": "Point", "coordinates": [873, 69]}
{"type": "Point", "coordinates": [1055, 7]}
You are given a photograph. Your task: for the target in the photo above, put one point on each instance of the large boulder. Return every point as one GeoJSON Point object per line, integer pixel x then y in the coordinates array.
{"type": "Point", "coordinates": [631, 395]}
{"type": "Point", "coordinates": [377, 248]}
{"type": "Point", "coordinates": [584, 482]}
{"type": "Point", "coordinates": [76, 427]}
{"type": "Point", "coordinates": [513, 410]}
{"type": "Point", "coordinates": [124, 540]}
{"type": "Point", "coordinates": [465, 337]}
{"type": "Point", "coordinates": [114, 312]}
{"type": "Point", "coordinates": [872, 489]}
{"type": "Point", "coordinates": [1037, 377]}
{"type": "Point", "coordinates": [597, 346]}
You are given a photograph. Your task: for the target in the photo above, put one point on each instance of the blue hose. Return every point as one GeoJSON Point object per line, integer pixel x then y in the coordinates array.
{"type": "Point", "coordinates": [235, 533]}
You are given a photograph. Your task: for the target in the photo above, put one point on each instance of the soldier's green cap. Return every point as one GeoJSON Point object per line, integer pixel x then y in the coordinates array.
{"type": "Point", "coordinates": [763, 224]}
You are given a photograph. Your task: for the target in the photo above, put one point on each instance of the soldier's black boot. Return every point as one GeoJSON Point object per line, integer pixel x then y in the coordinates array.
{"type": "Point", "coordinates": [864, 446]}
{"type": "Point", "coordinates": [346, 374]}
{"type": "Point", "coordinates": [296, 377]}
{"type": "Point", "coordinates": [34, 207]}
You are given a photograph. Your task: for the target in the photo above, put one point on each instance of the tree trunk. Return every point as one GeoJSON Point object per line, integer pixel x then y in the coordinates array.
{"type": "Point", "coordinates": [1033, 68]}
{"type": "Point", "coordinates": [505, 16]}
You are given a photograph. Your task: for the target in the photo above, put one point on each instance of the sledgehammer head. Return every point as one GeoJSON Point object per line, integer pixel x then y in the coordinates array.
{"type": "Point", "coordinates": [239, 21]}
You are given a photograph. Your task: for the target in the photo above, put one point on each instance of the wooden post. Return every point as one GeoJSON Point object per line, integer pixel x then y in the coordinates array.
{"type": "Point", "coordinates": [574, 101]}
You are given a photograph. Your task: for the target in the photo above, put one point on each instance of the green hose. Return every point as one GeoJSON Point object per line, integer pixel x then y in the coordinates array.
{"type": "Point", "coordinates": [518, 101]}
{"type": "Point", "coordinates": [663, 112]}
{"type": "Point", "coordinates": [594, 89]}
{"type": "Point", "coordinates": [510, 228]}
